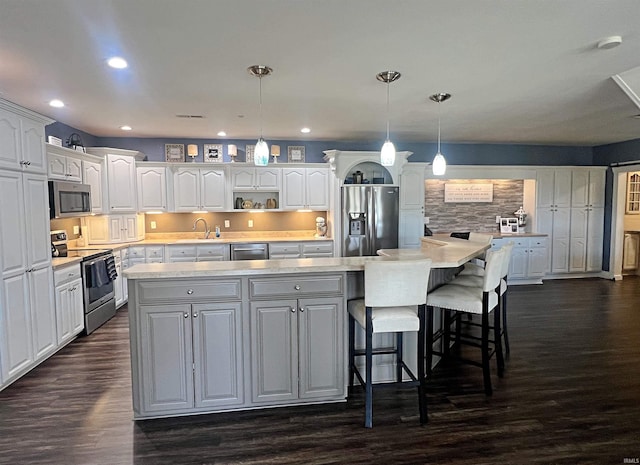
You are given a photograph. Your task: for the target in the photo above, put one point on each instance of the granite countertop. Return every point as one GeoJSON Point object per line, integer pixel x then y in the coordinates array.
{"type": "Point", "coordinates": [59, 262]}
{"type": "Point", "coordinates": [445, 253]}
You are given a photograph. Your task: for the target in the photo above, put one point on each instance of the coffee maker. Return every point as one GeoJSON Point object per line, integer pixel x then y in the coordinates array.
{"type": "Point", "coordinates": [59, 243]}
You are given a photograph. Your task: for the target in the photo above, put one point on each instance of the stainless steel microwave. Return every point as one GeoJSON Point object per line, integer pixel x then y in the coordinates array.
{"type": "Point", "coordinates": [69, 199]}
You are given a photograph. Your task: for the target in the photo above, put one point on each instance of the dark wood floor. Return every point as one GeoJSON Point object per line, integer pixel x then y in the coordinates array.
{"type": "Point", "coordinates": [570, 395]}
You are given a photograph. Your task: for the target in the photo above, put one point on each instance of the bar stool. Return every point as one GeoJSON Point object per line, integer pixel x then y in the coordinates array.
{"type": "Point", "coordinates": [475, 268]}
{"type": "Point", "coordinates": [394, 302]}
{"type": "Point", "coordinates": [472, 300]}
{"type": "Point", "coordinates": [477, 280]}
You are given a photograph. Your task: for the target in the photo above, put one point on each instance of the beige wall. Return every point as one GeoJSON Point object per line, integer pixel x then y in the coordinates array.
{"type": "Point", "coordinates": [632, 222]}
{"type": "Point", "coordinates": [267, 221]}
{"type": "Point", "coordinates": [508, 196]}
{"type": "Point", "coordinates": [67, 224]}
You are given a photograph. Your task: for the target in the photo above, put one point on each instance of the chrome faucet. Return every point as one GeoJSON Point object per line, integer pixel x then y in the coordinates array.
{"type": "Point", "coordinates": [207, 231]}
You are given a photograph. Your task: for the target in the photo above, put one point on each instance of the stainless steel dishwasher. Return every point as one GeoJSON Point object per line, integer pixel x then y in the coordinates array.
{"type": "Point", "coordinates": [250, 251]}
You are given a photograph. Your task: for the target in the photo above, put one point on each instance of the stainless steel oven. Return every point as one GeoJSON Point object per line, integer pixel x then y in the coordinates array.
{"type": "Point", "coordinates": [98, 274]}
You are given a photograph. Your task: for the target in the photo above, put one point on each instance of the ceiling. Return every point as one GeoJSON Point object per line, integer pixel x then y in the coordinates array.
{"type": "Point", "coordinates": [523, 71]}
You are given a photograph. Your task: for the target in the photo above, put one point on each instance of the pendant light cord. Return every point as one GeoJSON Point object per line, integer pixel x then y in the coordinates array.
{"type": "Point", "coordinates": [388, 85]}
{"type": "Point", "coordinates": [260, 79]}
{"type": "Point", "coordinates": [438, 127]}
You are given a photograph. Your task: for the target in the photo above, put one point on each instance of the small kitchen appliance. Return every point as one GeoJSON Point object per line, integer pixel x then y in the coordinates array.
{"type": "Point", "coordinates": [59, 243]}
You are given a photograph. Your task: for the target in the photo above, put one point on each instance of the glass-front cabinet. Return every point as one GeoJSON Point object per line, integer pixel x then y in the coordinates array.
{"type": "Point", "coordinates": [633, 193]}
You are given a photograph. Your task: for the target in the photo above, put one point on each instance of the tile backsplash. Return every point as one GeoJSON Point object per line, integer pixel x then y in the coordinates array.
{"type": "Point", "coordinates": [444, 217]}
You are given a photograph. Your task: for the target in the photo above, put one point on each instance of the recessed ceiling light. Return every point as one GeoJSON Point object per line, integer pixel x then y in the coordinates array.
{"type": "Point", "coordinates": [56, 103]}
{"type": "Point", "coordinates": [222, 134]}
{"type": "Point", "coordinates": [126, 128]}
{"type": "Point", "coordinates": [609, 42]}
{"type": "Point", "coordinates": [305, 130]}
{"type": "Point", "coordinates": [117, 62]}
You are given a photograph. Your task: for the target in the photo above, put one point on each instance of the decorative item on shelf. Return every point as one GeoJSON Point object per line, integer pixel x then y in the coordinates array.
{"type": "Point", "coordinates": [295, 154]}
{"type": "Point", "coordinates": [232, 151]}
{"type": "Point", "coordinates": [439, 163]}
{"type": "Point", "coordinates": [249, 153]}
{"type": "Point", "coordinates": [261, 155]}
{"type": "Point", "coordinates": [55, 141]}
{"type": "Point", "coordinates": [321, 227]}
{"type": "Point", "coordinates": [388, 151]}
{"type": "Point", "coordinates": [357, 177]}
{"type": "Point", "coordinates": [239, 202]}
{"type": "Point", "coordinates": [271, 203]}
{"type": "Point", "coordinates": [246, 204]}
{"type": "Point", "coordinates": [192, 151]}
{"type": "Point", "coordinates": [74, 142]}
{"type": "Point", "coordinates": [522, 217]}
{"type": "Point", "coordinates": [275, 152]}
{"type": "Point", "coordinates": [213, 153]}
{"type": "Point", "coordinates": [174, 152]}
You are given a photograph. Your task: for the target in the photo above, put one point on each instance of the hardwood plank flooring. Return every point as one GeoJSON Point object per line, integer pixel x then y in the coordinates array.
{"type": "Point", "coordinates": [570, 395]}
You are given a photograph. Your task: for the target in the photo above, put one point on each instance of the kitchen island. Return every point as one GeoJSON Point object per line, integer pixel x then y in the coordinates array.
{"type": "Point", "coordinates": [220, 336]}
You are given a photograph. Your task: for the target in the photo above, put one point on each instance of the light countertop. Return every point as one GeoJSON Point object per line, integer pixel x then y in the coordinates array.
{"type": "Point", "coordinates": [59, 262]}
{"type": "Point", "coordinates": [445, 253]}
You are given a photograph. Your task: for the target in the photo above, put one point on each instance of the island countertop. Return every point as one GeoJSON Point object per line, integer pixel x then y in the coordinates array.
{"type": "Point", "coordinates": [445, 252]}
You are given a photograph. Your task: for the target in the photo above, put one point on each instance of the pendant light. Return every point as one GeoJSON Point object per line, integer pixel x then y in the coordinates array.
{"type": "Point", "coordinates": [439, 165]}
{"type": "Point", "coordinates": [388, 152]}
{"type": "Point", "coordinates": [261, 150]}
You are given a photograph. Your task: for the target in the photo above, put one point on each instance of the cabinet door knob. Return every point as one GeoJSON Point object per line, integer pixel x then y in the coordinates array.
{"type": "Point", "coordinates": [190, 291]}
{"type": "Point", "coordinates": [195, 314]}
{"type": "Point", "coordinates": [186, 315]}
{"type": "Point", "coordinates": [293, 309]}
{"type": "Point", "coordinates": [297, 287]}
{"type": "Point", "coordinates": [302, 309]}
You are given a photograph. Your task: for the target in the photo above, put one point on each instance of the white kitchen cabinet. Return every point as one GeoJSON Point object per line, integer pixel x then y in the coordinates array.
{"type": "Point", "coordinates": [553, 189]}
{"type": "Point", "coordinates": [556, 223]}
{"type": "Point", "coordinates": [631, 251]}
{"type": "Point", "coordinates": [302, 249]}
{"type": "Point", "coordinates": [121, 175]}
{"type": "Point", "coordinates": [27, 313]}
{"type": "Point", "coordinates": [118, 283]}
{"type": "Point", "coordinates": [528, 258]}
{"type": "Point", "coordinates": [411, 215]}
{"type": "Point", "coordinates": [587, 235]}
{"type": "Point", "coordinates": [305, 188]}
{"type": "Point", "coordinates": [212, 252]}
{"type": "Point", "coordinates": [63, 167]}
{"type": "Point", "coordinates": [93, 174]}
{"type": "Point", "coordinates": [197, 189]}
{"type": "Point", "coordinates": [152, 188]}
{"type": "Point", "coordinates": [105, 229]}
{"type": "Point", "coordinates": [69, 306]}
{"type": "Point", "coordinates": [587, 187]}
{"type": "Point", "coordinates": [255, 178]}
{"type": "Point", "coordinates": [154, 254]}
{"type": "Point", "coordinates": [22, 139]}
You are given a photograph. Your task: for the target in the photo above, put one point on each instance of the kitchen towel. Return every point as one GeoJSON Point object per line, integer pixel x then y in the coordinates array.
{"type": "Point", "coordinates": [111, 268]}
{"type": "Point", "coordinates": [98, 274]}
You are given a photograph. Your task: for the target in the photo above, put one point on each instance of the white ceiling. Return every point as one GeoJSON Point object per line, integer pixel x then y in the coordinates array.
{"type": "Point", "coordinates": [520, 71]}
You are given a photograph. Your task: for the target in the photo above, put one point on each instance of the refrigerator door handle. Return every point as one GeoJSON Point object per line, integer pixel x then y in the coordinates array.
{"type": "Point", "coordinates": [371, 222]}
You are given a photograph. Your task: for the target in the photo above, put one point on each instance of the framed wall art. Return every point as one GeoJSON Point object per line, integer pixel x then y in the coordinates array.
{"type": "Point", "coordinates": [213, 153]}
{"type": "Point", "coordinates": [295, 154]}
{"type": "Point", "coordinates": [174, 152]}
{"type": "Point", "coordinates": [249, 150]}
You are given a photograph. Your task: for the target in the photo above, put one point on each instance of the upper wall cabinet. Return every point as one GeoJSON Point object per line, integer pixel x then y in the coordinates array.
{"type": "Point", "coordinates": [93, 174]}
{"type": "Point", "coordinates": [587, 187]}
{"type": "Point", "coordinates": [22, 139]}
{"type": "Point", "coordinates": [305, 188]}
{"type": "Point", "coordinates": [121, 171]}
{"type": "Point", "coordinates": [64, 164]}
{"type": "Point", "coordinates": [251, 179]}
{"type": "Point", "coordinates": [199, 189]}
{"type": "Point", "coordinates": [152, 188]}
{"type": "Point", "coordinates": [554, 188]}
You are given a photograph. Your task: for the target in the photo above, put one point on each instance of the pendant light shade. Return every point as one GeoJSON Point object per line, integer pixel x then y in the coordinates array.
{"type": "Point", "coordinates": [439, 165]}
{"type": "Point", "coordinates": [388, 151]}
{"type": "Point", "coordinates": [261, 150]}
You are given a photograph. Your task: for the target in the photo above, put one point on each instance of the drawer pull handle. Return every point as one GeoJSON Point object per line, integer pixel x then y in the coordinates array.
{"type": "Point", "coordinates": [190, 291]}
{"type": "Point", "coordinates": [297, 287]}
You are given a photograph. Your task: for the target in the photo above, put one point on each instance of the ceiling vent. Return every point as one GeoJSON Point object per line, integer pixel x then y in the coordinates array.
{"type": "Point", "coordinates": [629, 82]}
{"type": "Point", "coordinates": [190, 116]}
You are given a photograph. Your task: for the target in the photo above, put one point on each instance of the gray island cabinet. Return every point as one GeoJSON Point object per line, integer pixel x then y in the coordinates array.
{"type": "Point", "coordinates": [211, 344]}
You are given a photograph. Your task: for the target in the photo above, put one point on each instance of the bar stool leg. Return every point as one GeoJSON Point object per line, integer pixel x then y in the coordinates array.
{"type": "Point", "coordinates": [429, 344]}
{"type": "Point", "coordinates": [446, 335]}
{"type": "Point", "coordinates": [399, 358]}
{"type": "Point", "coordinates": [422, 386]}
{"type": "Point", "coordinates": [497, 334]}
{"type": "Point", "coordinates": [368, 416]}
{"type": "Point", "coordinates": [504, 322]}
{"type": "Point", "coordinates": [352, 349]}
{"type": "Point", "coordinates": [486, 369]}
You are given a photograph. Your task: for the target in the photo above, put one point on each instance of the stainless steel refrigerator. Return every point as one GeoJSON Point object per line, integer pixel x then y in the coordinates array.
{"type": "Point", "coordinates": [369, 219]}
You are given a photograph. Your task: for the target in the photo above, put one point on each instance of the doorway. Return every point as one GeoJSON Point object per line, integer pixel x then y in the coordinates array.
{"type": "Point", "coordinates": [619, 200]}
